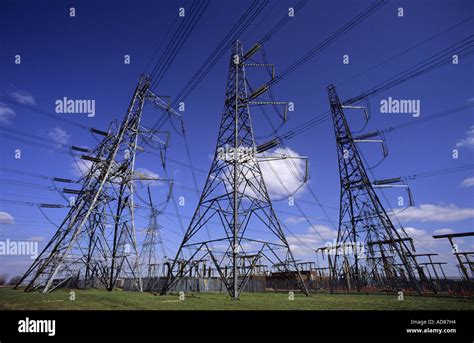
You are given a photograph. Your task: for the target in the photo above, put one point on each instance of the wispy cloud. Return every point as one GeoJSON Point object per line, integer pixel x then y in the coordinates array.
{"type": "Point", "coordinates": [316, 236]}
{"type": "Point", "coordinates": [23, 97]}
{"type": "Point", "coordinates": [443, 231]}
{"type": "Point", "coordinates": [6, 218]}
{"type": "Point", "coordinates": [146, 173]}
{"type": "Point", "coordinates": [37, 239]}
{"type": "Point", "coordinates": [6, 114]}
{"type": "Point", "coordinates": [424, 242]}
{"type": "Point", "coordinates": [59, 136]}
{"type": "Point", "coordinates": [81, 167]}
{"type": "Point", "coordinates": [295, 220]}
{"type": "Point", "coordinates": [436, 213]}
{"type": "Point", "coordinates": [421, 238]}
{"type": "Point", "coordinates": [467, 141]}
{"type": "Point", "coordinates": [469, 182]}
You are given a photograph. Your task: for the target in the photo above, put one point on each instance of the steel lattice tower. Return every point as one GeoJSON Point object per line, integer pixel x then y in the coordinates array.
{"type": "Point", "coordinates": [234, 202]}
{"type": "Point", "coordinates": [96, 240]}
{"type": "Point", "coordinates": [148, 256]}
{"type": "Point", "coordinates": [368, 245]}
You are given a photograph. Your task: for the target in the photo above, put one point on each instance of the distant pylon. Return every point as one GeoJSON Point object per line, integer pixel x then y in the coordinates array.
{"type": "Point", "coordinates": [149, 261]}
{"type": "Point", "coordinates": [96, 240]}
{"type": "Point", "coordinates": [234, 205]}
{"type": "Point", "coordinates": [368, 246]}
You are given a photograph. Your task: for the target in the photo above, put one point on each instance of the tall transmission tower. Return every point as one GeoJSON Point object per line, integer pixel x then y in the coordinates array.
{"type": "Point", "coordinates": [368, 246]}
{"type": "Point", "coordinates": [235, 204]}
{"type": "Point", "coordinates": [148, 256]}
{"type": "Point", "coordinates": [96, 240]}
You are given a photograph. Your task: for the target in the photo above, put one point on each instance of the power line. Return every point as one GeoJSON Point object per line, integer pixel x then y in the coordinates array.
{"type": "Point", "coordinates": [438, 172]}
{"type": "Point", "coordinates": [462, 48]}
{"type": "Point", "coordinates": [244, 21]}
{"type": "Point", "coordinates": [331, 39]}
{"type": "Point", "coordinates": [409, 49]}
{"type": "Point", "coordinates": [45, 113]}
{"type": "Point", "coordinates": [279, 25]}
{"type": "Point", "coordinates": [451, 111]}
{"type": "Point", "coordinates": [178, 40]}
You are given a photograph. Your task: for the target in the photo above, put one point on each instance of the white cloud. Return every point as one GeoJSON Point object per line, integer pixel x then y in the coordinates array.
{"type": "Point", "coordinates": [23, 97]}
{"type": "Point", "coordinates": [6, 218]}
{"type": "Point", "coordinates": [435, 213]}
{"type": "Point", "coordinates": [37, 238]}
{"type": "Point", "coordinates": [59, 136]}
{"type": "Point", "coordinates": [143, 172]}
{"type": "Point", "coordinates": [249, 247]}
{"type": "Point", "coordinates": [283, 178]}
{"type": "Point", "coordinates": [316, 236]}
{"type": "Point", "coordinates": [468, 141]}
{"type": "Point", "coordinates": [81, 167]}
{"type": "Point", "coordinates": [425, 243]}
{"type": "Point", "coordinates": [469, 182]}
{"type": "Point", "coordinates": [295, 220]}
{"type": "Point", "coordinates": [6, 114]}
{"type": "Point", "coordinates": [323, 231]}
{"type": "Point", "coordinates": [421, 238]}
{"type": "Point", "coordinates": [443, 231]}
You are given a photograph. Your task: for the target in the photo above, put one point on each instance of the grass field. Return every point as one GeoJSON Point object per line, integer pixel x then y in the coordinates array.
{"type": "Point", "coordinates": [94, 299]}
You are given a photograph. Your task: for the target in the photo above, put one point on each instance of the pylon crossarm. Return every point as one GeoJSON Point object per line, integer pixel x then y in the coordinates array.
{"type": "Point", "coordinates": [354, 107]}
{"type": "Point", "coordinates": [163, 103]}
{"type": "Point", "coordinates": [152, 134]}
{"type": "Point", "coordinates": [279, 157]}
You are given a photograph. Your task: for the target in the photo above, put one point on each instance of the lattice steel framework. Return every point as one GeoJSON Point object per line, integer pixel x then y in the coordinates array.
{"type": "Point", "coordinates": [149, 261]}
{"type": "Point", "coordinates": [368, 246]}
{"type": "Point", "coordinates": [234, 203]}
{"type": "Point", "coordinates": [96, 240]}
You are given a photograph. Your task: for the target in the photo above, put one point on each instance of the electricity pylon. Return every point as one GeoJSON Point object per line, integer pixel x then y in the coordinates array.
{"type": "Point", "coordinates": [148, 256]}
{"type": "Point", "coordinates": [367, 242]}
{"type": "Point", "coordinates": [96, 240]}
{"type": "Point", "coordinates": [234, 206]}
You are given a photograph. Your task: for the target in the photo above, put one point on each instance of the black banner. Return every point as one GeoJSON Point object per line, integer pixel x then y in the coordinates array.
{"type": "Point", "coordinates": [432, 325]}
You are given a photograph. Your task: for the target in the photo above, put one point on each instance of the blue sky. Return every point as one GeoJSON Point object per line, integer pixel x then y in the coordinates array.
{"type": "Point", "coordinates": [82, 58]}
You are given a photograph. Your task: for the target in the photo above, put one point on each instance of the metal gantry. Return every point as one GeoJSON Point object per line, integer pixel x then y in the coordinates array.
{"type": "Point", "coordinates": [463, 257]}
{"type": "Point", "coordinates": [235, 217]}
{"type": "Point", "coordinates": [367, 241]}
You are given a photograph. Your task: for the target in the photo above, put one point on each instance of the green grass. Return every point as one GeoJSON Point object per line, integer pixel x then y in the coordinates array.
{"type": "Point", "coordinates": [94, 299]}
